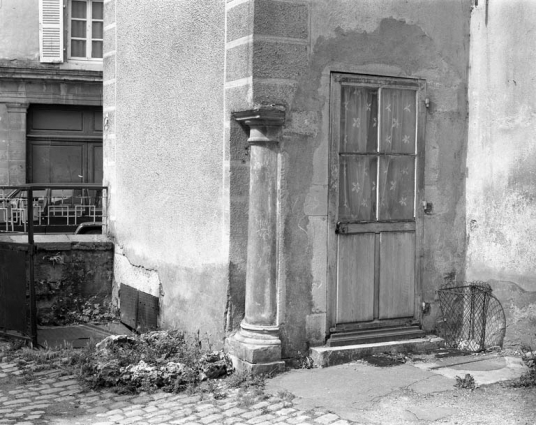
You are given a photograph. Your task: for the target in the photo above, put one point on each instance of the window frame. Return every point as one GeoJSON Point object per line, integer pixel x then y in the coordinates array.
{"type": "Point", "coordinates": [89, 28]}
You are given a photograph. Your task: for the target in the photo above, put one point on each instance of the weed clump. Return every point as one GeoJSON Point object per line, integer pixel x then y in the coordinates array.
{"type": "Point", "coordinates": [528, 379]}
{"type": "Point", "coordinates": [169, 360]}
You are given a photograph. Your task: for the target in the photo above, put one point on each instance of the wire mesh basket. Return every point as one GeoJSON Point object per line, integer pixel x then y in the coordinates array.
{"type": "Point", "coordinates": [473, 319]}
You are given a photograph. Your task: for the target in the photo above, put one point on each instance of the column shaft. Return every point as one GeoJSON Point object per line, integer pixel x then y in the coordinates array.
{"type": "Point", "coordinates": [261, 285]}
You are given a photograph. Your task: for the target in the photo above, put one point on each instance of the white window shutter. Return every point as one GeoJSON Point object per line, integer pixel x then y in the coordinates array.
{"type": "Point", "coordinates": [51, 31]}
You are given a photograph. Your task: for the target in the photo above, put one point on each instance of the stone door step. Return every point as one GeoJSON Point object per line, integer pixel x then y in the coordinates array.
{"type": "Point", "coordinates": [367, 336]}
{"type": "Point", "coordinates": [334, 355]}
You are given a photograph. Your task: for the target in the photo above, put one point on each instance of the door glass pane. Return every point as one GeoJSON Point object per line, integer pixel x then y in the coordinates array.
{"type": "Point", "coordinates": [357, 194]}
{"type": "Point", "coordinates": [78, 29]}
{"type": "Point", "coordinates": [398, 120]}
{"type": "Point", "coordinates": [397, 187]}
{"type": "Point", "coordinates": [96, 30]}
{"type": "Point", "coordinates": [78, 48]}
{"type": "Point", "coordinates": [96, 8]}
{"type": "Point", "coordinates": [79, 9]}
{"type": "Point", "coordinates": [359, 126]}
{"type": "Point", "coordinates": [96, 49]}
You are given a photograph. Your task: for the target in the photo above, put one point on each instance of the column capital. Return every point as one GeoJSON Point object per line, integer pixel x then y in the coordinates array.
{"type": "Point", "coordinates": [264, 123]}
{"type": "Point", "coordinates": [17, 107]}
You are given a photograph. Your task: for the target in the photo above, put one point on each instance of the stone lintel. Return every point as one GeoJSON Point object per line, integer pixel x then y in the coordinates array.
{"type": "Point", "coordinates": [264, 123]}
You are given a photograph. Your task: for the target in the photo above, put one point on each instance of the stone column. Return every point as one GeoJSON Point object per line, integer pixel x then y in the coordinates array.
{"type": "Point", "coordinates": [256, 348]}
{"type": "Point", "coordinates": [16, 143]}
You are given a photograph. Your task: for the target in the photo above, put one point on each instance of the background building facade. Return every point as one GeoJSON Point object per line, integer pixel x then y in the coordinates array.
{"type": "Point", "coordinates": [51, 91]}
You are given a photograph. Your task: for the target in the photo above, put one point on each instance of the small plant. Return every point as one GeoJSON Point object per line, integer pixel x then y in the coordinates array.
{"type": "Point", "coordinates": [286, 395]}
{"type": "Point", "coordinates": [468, 382]}
{"type": "Point", "coordinates": [528, 379]}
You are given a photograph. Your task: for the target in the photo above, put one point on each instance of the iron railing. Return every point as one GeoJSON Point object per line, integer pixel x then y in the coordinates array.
{"type": "Point", "coordinates": [53, 208]}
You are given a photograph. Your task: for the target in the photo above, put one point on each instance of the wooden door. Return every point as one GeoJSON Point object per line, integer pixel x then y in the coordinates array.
{"type": "Point", "coordinates": [64, 144]}
{"type": "Point", "coordinates": [376, 182]}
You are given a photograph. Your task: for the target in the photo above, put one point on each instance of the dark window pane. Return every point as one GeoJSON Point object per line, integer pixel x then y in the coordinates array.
{"type": "Point", "coordinates": [359, 126]}
{"type": "Point", "coordinates": [79, 9]}
{"type": "Point", "coordinates": [97, 10]}
{"type": "Point", "coordinates": [78, 29]}
{"type": "Point", "coordinates": [96, 49]}
{"type": "Point", "coordinates": [78, 48]}
{"type": "Point", "coordinates": [96, 30]}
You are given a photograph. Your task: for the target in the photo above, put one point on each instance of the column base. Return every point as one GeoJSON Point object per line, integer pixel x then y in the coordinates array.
{"type": "Point", "coordinates": [256, 350]}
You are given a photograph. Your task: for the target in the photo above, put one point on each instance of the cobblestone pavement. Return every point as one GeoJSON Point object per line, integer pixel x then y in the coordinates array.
{"type": "Point", "coordinates": [51, 397]}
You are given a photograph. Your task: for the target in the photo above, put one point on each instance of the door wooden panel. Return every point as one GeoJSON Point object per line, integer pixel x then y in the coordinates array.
{"type": "Point", "coordinates": [397, 275]}
{"type": "Point", "coordinates": [355, 292]}
{"type": "Point", "coordinates": [376, 188]}
{"type": "Point", "coordinates": [67, 163]}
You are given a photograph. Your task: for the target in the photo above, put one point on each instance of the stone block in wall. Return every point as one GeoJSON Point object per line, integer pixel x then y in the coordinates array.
{"type": "Point", "coordinates": [108, 93]}
{"type": "Point", "coordinates": [239, 179]}
{"type": "Point", "coordinates": [109, 13]}
{"type": "Point", "coordinates": [280, 92]}
{"type": "Point", "coordinates": [238, 62]}
{"type": "Point", "coordinates": [17, 172]}
{"type": "Point", "coordinates": [315, 329]}
{"type": "Point", "coordinates": [281, 19]}
{"type": "Point", "coordinates": [238, 98]}
{"type": "Point", "coordinates": [279, 60]}
{"type": "Point", "coordinates": [239, 21]}
{"type": "Point", "coordinates": [317, 233]}
{"type": "Point", "coordinates": [108, 64]}
{"type": "Point", "coordinates": [17, 150]}
{"type": "Point", "coordinates": [109, 40]}
{"type": "Point", "coordinates": [4, 175]}
{"type": "Point", "coordinates": [238, 142]}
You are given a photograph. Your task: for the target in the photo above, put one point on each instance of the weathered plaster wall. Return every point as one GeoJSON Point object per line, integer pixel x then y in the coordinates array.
{"type": "Point", "coordinates": [501, 160]}
{"type": "Point", "coordinates": [19, 29]}
{"type": "Point", "coordinates": [288, 60]}
{"type": "Point", "coordinates": [163, 106]}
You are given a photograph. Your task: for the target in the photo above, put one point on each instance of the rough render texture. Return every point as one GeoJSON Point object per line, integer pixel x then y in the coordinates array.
{"type": "Point", "coordinates": [19, 30]}
{"type": "Point", "coordinates": [501, 159]}
{"type": "Point", "coordinates": [410, 39]}
{"type": "Point", "coordinates": [167, 200]}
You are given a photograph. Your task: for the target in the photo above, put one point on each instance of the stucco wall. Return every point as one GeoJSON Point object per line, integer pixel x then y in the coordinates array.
{"type": "Point", "coordinates": [501, 160]}
{"type": "Point", "coordinates": [19, 29]}
{"type": "Point", "coordinates": [19, 33]}
{"type": "Point", "coordinates": [288, 61]}
{"type": "Point", "coordinates": [163, 104]}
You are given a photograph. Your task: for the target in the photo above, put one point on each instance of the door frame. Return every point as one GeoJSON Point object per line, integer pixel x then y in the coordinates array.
{"type": "Point", "coordinates": [333, 194]}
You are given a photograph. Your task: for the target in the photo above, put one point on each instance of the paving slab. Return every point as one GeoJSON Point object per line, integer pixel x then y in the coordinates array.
{"type": "Point", "coordinates": [354, 391]}
{"type": "Point", "coordinates": [484, 370]}
{"type": "Point", "coordinates": [350, 389]}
